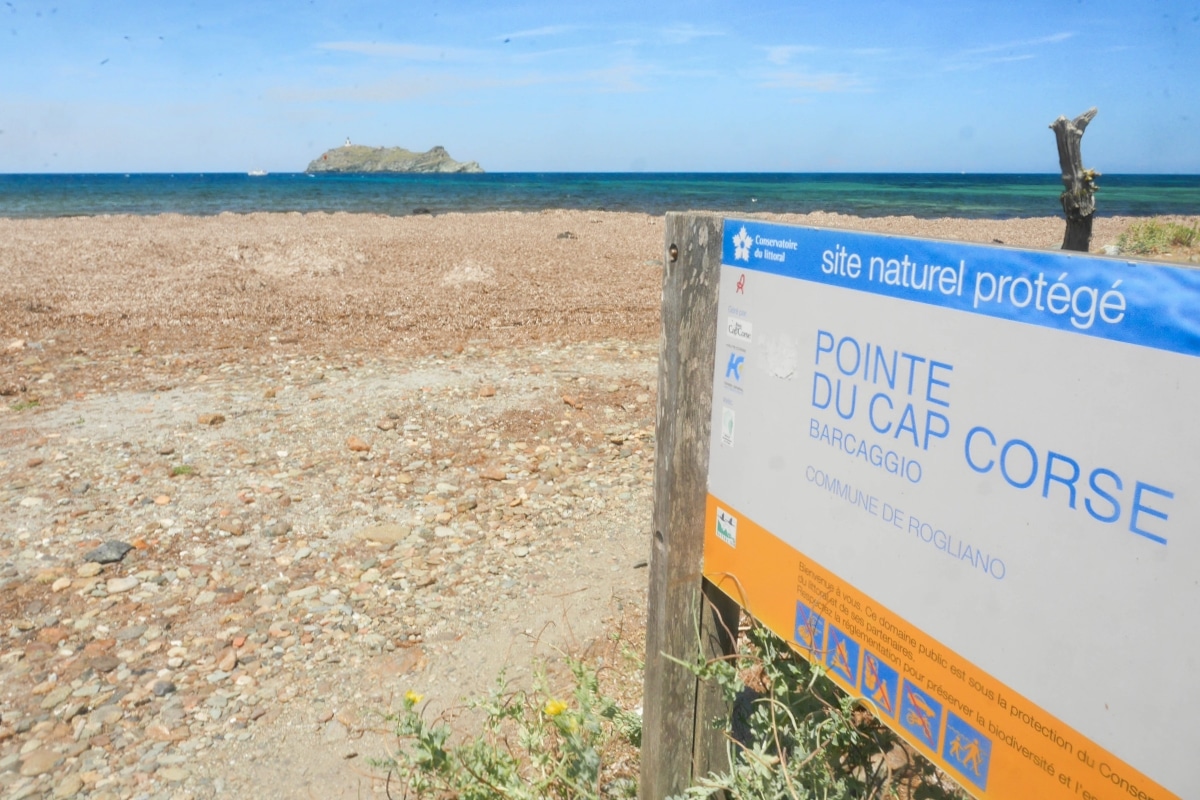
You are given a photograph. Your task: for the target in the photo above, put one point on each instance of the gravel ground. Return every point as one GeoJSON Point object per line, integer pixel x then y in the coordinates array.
{"type": "Point", "coordinates": [310, 538]}
{"type": "Point", "coordinates": [326, 459]}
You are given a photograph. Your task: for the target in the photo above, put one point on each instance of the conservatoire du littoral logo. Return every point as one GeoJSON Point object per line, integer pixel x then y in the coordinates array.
{"type": "Point", "coordinates": [726, 527]}
{"type": "Point", "coordinates": [741, 245]}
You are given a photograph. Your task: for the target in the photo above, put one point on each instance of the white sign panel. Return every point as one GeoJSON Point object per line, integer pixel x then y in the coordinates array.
{"type": "Point", "coordinates": [970, 471]}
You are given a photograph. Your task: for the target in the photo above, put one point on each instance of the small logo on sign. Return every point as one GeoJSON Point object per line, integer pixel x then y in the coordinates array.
{"type": "Point", "coordinates": [727, 427]}
{"type": "Point", "coordinates": [741, 285]}
{"type": "Point", "coordinates": [739, 329]}
{"type": "Point", "coordinates": [733, 370]}
{"type": "Point", "coordinates": [741, 246]}
{"type": "Point", "coordinates": [726, 527]}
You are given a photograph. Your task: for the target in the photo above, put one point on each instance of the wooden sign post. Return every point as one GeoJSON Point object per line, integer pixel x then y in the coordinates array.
{"type": "Point", "coordinates": [687, 616]}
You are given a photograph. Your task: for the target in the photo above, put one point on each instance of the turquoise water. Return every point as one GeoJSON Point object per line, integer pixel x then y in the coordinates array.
{"type": "Point", "coordinates": [868, 195]}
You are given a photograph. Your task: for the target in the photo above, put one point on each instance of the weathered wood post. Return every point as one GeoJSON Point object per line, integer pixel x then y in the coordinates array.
{"type": "Point", "coordinates": [687, 616]}
{"type": "Point", "coordinates": [1078, 198]}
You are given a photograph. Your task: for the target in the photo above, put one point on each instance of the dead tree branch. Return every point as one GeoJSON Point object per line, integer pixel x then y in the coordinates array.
{"type": "Point", "coordinates": [1078, 198]}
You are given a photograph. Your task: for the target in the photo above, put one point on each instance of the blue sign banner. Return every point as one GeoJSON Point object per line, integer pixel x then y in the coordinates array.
{"type": "Point", "coordinates": [1149, 305]}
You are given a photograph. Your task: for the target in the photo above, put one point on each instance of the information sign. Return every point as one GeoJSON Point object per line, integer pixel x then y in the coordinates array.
{"type": "Point", "coordinates": [962, 478]}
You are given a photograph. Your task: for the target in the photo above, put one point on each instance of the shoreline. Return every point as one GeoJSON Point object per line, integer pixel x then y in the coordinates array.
{"type": "Point", "coordinates": [797, 217]}
{"type": "Point", "coordinates": [438, 213]}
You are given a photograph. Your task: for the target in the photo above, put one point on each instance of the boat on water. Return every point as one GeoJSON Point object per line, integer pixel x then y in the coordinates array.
{"type": "Point", "coordinates": [257, 173]}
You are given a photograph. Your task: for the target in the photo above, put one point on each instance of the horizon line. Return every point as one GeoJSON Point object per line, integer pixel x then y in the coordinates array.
{"type": "Point", "coordinates": [243, 173]}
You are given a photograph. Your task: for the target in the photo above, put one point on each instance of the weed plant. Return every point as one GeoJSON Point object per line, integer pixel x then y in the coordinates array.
{"type": "Point", "coordinates": [534, 745]}
{"type": "Point", "coordinates": [1153, 237]}
{"type": "Point", "coordinates": [795, 735]}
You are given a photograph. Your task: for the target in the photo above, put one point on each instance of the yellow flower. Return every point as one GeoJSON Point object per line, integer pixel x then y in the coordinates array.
{"type": "Point", "coordinates": [412, 698]}
{"type": "Point", "coordinates": [554, 707]}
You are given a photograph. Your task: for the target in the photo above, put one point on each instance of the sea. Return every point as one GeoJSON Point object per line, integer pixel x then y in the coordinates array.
{"type": "Point", "coordinates": [975, 196]}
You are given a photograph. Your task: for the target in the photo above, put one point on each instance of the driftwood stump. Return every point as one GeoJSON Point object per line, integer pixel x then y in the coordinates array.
{"type": "Point", "coordinates": [1078, 198]}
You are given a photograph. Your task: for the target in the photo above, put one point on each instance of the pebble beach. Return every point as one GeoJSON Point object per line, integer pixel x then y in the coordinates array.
{"type": "Point", "coordinates": [262, 474]}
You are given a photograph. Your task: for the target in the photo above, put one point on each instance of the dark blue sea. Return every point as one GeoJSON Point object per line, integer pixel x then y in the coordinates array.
{"type": "Point", "coordinates": [868, 195]}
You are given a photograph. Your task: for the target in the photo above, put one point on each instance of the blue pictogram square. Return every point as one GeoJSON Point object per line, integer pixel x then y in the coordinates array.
{"type": "Point", "coordinates": [967, 750]}
{"type": "Point", "coordinates": [880, 683]}
{"type": "Point", "coordinates": [809, 631]}
{"type": "Point", "coordinates": [842, 655]}
{"type": "Point", "coordinates": [920, 715]}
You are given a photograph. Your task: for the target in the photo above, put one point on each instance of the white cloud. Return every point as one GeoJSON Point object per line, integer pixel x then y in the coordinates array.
{"type": "Point", "coordinates": [821, 82]}
{"type": "Point", "coordinates": [619, 78]}
{"type": "Point", "coordinates": [547, 30]}
{"type": "Point", "coordinates": [980, 63]}
{"type": "Point", "coordinates": [988, 55]}
{"type": "Point", "coordinates": [406, 87]}
{"type": "Point", "coordinates": [1018, 45]}
{"type": "Point", "coordinates": [781, 55]}
{"type": "Point", "coordinates": [685, 32]}
{"type": "Point", "coordinates": [405, 51]}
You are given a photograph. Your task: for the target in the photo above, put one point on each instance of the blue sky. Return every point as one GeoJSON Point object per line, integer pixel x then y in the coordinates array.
{"type": "Point", "coordinates": [551, 86]}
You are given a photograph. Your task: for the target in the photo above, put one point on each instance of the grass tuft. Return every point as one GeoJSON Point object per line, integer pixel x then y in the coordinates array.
{"type": "Point", "coordinates": [534, 745]}
{"type": "Point", "coordinates": [793, 734]}
{"type": "Point", "coordinates": [1154, 237]}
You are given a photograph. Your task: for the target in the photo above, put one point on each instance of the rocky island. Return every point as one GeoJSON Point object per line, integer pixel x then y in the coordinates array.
{"type": "Point", "coordinates": [361, 158]}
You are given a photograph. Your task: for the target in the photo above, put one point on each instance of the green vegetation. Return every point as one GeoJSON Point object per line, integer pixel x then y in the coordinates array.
{"type": "Point", "coordinates": [533, 746]}
{"type": "Point", "coordinates": [182, 469]}
{"type": "Point", "coordinates": [25, 405]}
{"type": "Point", "coordinates": [357, 158]}
{"type": "Point", "coordinates": [793, 735]}
{"type": "Point", "coordinates": [1153, 237]}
